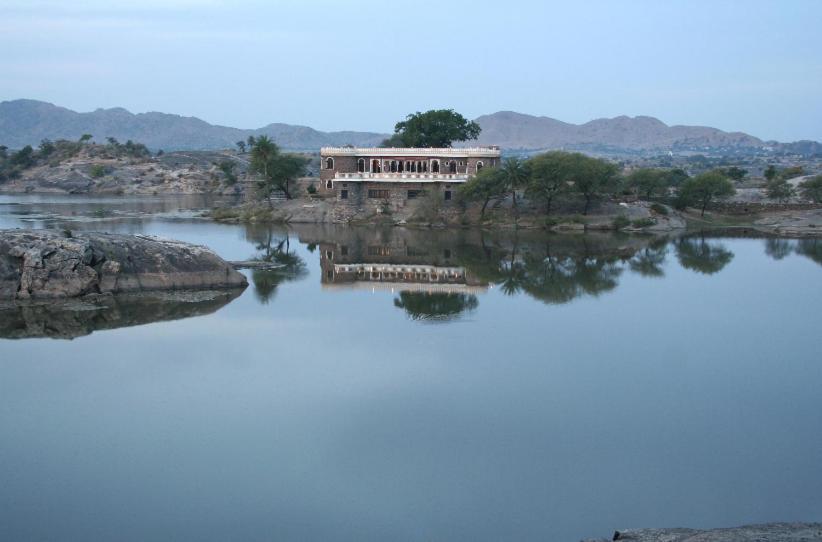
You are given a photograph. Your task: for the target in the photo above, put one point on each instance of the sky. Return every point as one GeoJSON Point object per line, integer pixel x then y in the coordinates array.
{"type": "Point", "coordinates": [753, 66]}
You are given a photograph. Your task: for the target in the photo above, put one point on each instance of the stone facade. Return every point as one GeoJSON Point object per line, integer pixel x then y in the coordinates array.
{"type": "Point", "coordinates": [399, 170]}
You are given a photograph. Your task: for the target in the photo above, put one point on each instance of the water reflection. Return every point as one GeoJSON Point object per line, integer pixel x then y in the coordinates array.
{"type": "Point", "coordinates": [275, 248]}
{"type": "Point", "coordinates": [435, 307]}
{"type": "Point", "coordinates": [437, 275]}
{"type": "Point", "coordinates": [68, 319]}
{"type": "Point", "coordinates": [779, 249]}
{"type": "Point", "coordinates": [702, 255]}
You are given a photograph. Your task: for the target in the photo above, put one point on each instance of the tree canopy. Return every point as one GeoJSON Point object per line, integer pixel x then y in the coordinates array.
{"type": "Point", "coordinates": [488, 183]}
{"type": "Point", "coordinates": [434, 128]}
{"type": "Point", "coordinates": [276, 169]}
{"type": "Point", "coordinates": [705, 188]}
{"type": "Point", "coordinates": [812, 189]}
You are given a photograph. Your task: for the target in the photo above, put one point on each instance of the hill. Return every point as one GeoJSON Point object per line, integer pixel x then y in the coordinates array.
{"type": "Point", "coordinates": [27, 122]}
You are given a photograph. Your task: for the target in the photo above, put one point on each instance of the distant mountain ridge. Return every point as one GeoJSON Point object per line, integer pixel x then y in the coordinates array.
{"type": "Point", "coordinates": [27, 122]}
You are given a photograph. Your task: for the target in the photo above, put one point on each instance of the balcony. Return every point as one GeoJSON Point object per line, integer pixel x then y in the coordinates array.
{"type": "Point", "coordinates": [404, 177]}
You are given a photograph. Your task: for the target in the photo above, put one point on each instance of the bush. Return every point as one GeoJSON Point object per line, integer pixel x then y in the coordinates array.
{"type": "Point", "coordinates": [659, 209]}
{"type": "Point", "coordinates": [620, 222]}
{"type": "Point", "coordinates": [311, 189]}
{"type": "Point", "coordinates": [643, 222]}
{"type": "Point", "coordinates": [97, 171]}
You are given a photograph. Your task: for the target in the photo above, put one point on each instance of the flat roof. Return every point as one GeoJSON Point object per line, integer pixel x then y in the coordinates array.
{"type": "Point", "coordinates": [485, 152]}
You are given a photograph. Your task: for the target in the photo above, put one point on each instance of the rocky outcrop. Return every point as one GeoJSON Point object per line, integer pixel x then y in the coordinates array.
{"type": "Point", "coordinates": [768, 532]}
{"type": "Point", "coordinates": [38, 264]}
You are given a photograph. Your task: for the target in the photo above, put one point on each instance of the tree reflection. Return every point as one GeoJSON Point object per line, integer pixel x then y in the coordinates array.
{"type": "Point", "coordinates": [697, 254]}
{"type": "Point", "coordinates": [778, 249]}
{"type": "Point", "coordinates": [553, 272]}
{"type": "Point", "coordinates": [435, 307]}
{"type": "Point", "coordinates": [648, 261]}
{"type": "Point", "coordinates": [810, 248]}
{"type": "Point", "coordinates": [274, 249]}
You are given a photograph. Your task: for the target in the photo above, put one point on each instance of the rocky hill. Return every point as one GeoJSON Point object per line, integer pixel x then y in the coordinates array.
{"type": "Point", "coordinates": [518, 131]}
{"type": "Point", "coordinates": [25, 122]}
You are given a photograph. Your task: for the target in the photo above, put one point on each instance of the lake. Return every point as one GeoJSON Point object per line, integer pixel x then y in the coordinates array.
{"type": "Point", "coordinates": [391, 384]}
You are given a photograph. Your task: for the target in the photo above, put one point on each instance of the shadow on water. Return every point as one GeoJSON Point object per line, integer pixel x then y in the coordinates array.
{"type": "Point", "coordinates": [68, 319]}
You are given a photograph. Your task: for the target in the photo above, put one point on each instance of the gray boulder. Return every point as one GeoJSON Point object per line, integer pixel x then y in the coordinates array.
{"type": "Point", "coordinates": [40, 264]}
{"type": "Point", "coordinates": [766, 532]}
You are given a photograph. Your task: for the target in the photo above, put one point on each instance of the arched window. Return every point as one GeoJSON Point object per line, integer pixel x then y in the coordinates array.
{"type": "Point", "coordinates": [479, 165]}
{"type": "Point", "coordinates": [375, 166]}
{"type": "Point", "coordinates": [329, 184]}
{"type": "Point", "coordinates": [424, 167]}
{"type": "Point", "coordinates": [393, 166]}
{"type": "Point", "coordinates": [329, 163]}
{"type": "Point", "coordinates": [361, 165]}
{"type": "Point", "coordinates": [435, 166]}
{"type": "Point", "coordinates": [452, 166]}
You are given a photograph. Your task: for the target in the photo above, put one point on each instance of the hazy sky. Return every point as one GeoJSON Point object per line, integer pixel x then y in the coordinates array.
{"type": "Point", "coordinates": [754, 66]}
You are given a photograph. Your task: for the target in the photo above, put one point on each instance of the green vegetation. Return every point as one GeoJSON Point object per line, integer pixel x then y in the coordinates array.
{"type": "Point", "coordinates": [487, 184]}
{"type": "Point", "coordinates": [620, 222]}
{"type": "Point", "coordinates": [97, 170]}
{"type": "Point", "coordinates": [705, 188]}
{"type": "Point", "coordinates": [549, 177]}
{"type": "Point", "coordinates": [770, 172]}
{"type": "Point", "coordinates": [734, 173]}
{"type": "Point", "coordinates": [648, 182]}
{"type": "Point", "coordinates": [779, 189]}
{"type": "Point", "coordinates": [812, 189]}
{"type": "Point", "coordinates": [434, 128]}
{"type": "Point", "coordinates": [791, 172]}
{"type": "Point", "coordinates": [659, 209]}
{"type": "Point", "coordinates": [227, 167]}
{"type": "Point", "coordinates": [514, 174]}
{"type": "Point", "coordinates": [276, 169]}
{"type": "Point", "coordinates": [643, 222]}
{"type": "Point", "coordinates": [241, 146]}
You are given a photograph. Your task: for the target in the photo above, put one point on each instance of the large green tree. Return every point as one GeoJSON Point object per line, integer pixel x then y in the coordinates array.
{"type": "Point", "coordinates": [705, 188]}
{"type": "Point", "coordinates": [276, 169]}
{"type": "Point", "coordinates": [779, 189]}
{"type": "Point", "coordinates": [514, 174]}
{"type": "Point", "coordinates": [434, 128]}
{"type": "Point", "coordinates": [549, 176]}
{"type": "Point", "coordinates": [591, 177]}
{"type": "Point", "coordinates": [648, 182]}
{"type": "Point", "coordinates": [487, 184]}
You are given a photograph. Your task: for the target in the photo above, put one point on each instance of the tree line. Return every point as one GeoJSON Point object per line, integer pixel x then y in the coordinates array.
{"type": "Point", "coordinates": [548, 177]}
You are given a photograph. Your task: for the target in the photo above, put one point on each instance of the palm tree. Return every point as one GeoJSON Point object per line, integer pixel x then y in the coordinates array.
{"type": "Point", "coordinates": [515, 174]}
{"type": "Point", "coordinates": [261, 154]}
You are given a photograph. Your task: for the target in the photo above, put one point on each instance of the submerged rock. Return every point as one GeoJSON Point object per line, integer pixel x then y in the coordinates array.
{"type": "Point", "coordinates": [38, 264]}
{"type": "Point", "coordinates": [767, 532]}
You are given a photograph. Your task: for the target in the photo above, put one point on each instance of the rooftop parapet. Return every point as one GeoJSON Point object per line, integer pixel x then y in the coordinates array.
{"type": "Point", "coordinates": [485, 152]}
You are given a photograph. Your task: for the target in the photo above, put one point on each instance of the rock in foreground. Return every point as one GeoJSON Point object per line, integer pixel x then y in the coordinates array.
{"type": "Point", "coordinates": [41, 264]}
{"type": "Point", "coordinates": [767, 532]}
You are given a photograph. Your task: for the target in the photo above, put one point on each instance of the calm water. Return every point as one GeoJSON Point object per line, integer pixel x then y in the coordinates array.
{"type": "Point", "coordinates": [401, 385]}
